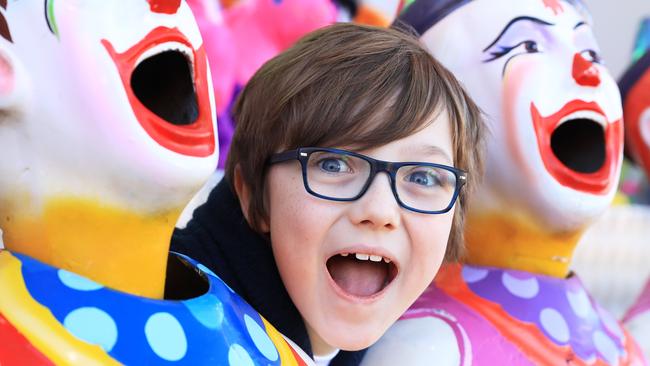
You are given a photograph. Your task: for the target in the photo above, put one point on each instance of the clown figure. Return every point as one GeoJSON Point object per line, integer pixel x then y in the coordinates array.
{"type": "Point", "coordinates": [553, 161]}
{"type": "Point", "coordinates": [107, 129]}
{"type": "Point", "coordinates": [635, 89]}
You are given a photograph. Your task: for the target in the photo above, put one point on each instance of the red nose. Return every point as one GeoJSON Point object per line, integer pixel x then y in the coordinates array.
{"type": "Point", "coordinates": [585, 72]}
{"type": "Point", "coordinates": [164, 6]}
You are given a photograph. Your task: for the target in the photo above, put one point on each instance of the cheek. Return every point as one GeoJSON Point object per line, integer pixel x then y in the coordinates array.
{"type": "Point", "coordinates": [298, 221]}
{"type": "Point", "coordinates": [516, 127]}
{"type": "Point", "coordinates": [429, 242]}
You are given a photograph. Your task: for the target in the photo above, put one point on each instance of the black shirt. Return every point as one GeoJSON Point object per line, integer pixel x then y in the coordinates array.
{"type": "Point", "coordinates": [219, 237]}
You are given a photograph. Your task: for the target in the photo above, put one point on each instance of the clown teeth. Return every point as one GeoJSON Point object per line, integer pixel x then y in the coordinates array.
{"type": "Point", "coordinates": [585, 114]}
{"type": "Point", "coordinates": [167, 46]}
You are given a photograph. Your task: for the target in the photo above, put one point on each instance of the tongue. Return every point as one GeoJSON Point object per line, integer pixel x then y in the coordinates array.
{"type": "Point", "coordinates": [359, 278]}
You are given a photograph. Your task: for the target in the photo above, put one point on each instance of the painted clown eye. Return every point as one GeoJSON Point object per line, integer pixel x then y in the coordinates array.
{"type": "Point", "coordinates": [531, 46]}
{"type": "Point", "coordinates": [592, 56]}
{"type": "Point", "coordinates": [527, 46]}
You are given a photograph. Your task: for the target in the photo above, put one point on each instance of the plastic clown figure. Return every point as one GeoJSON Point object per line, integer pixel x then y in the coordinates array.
{"type": "Point", "coordinates": [107, 129]}
{"type": "Point", "coordinates": [635, 89]}
{"type": "Point", "coordinates": [553, 161]}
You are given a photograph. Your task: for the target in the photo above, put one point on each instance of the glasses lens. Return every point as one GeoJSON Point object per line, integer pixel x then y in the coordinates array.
{"type": "Point", "coordinates": [425, 188]}
{"type": "Point", "coordinates": [336, 175]}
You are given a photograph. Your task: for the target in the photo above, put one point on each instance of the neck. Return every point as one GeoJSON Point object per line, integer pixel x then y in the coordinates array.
{"type": "Point", "coordinates": [498, 240]}
{"type": "Point", "coordinates": [318, 346]}
{"type": "Point", "coordinates": [118, 248]}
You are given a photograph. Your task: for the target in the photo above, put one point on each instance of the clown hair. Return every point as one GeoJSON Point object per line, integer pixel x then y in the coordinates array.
{"type": "Point", "coordinates": [424, 14]}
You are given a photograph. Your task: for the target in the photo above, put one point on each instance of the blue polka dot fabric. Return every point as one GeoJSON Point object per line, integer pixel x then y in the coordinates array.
{"type": "Point", "coordinates": [216, 328]}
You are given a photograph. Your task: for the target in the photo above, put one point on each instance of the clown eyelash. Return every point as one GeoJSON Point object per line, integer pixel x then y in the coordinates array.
{"type": "Point", "coordinates": [505, 50]}
{"type": "Point", "coordinates": [498, 53]}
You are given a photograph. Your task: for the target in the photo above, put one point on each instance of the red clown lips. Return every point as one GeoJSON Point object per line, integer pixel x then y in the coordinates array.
{"type": "Point", "coordinates": [579, 146]}
{"type": "Point", "coordinates": [166, 81]}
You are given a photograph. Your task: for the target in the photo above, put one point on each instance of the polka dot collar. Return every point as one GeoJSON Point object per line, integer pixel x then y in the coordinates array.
{"type": "Point", "coordinates": [217, 327]}
{"type": "Point", "coordinates": [561, 308]}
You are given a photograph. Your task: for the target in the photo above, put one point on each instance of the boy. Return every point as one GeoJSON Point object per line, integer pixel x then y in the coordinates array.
{"type": "Point", "coordinates": [305, 226]}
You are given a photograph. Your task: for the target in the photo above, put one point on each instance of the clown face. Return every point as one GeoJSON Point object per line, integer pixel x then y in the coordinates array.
{"type": "Point", "coordinates": [635, 85]}
{"type": "Point", "coordinates": [110, 102]}
{"type": "Point", "coordinates": [554, 111]}
{"type": "Point", "coordinates": [106, 132]}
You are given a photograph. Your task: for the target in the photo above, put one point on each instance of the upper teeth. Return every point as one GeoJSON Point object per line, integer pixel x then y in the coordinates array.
{"type": "Point", "coordinates": [167, 46]}
{"type": "Point", "coordinates": [365, 257]}
{"type": "Point", "coordinates": [591, 115]}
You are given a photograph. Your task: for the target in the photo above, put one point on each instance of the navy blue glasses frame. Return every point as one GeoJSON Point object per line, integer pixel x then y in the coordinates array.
{"type": "Point", "coordinates": [376, 166]}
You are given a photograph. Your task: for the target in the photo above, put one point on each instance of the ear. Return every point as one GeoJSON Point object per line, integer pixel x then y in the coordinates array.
{"type": "Point", "coordinates": [244, 194]}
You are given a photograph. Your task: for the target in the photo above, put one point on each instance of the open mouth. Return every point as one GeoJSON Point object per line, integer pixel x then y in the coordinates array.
{"type": "Point", "coordinates": [361, 275]}
{"type": "Point", "coordinates": [579, 146]}
{"type": "Point", "coordinates": [166, 82]}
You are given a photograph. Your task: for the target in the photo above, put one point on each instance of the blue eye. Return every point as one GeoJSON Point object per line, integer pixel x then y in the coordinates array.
{"type": "Point", "coordinates": [332, 165]}
{"type": "Point", "coordinates": [423, 178]}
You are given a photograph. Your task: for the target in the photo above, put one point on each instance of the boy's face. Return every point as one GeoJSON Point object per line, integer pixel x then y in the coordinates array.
{"type": "Point", "coordinates": [554, 110]}
{"type": "Point", "coordinates": [308, 234]}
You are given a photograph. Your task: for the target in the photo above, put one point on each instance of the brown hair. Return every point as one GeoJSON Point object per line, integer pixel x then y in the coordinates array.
{"type": "Point", "coordinates": [355, 86]}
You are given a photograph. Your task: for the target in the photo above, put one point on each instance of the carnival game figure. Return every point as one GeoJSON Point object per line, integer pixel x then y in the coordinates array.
{"type": "Point", "coordinates": [107, 129]}
{"type": "Point", "coordinates": [635, 90]}
{"type": "Point", "coordinates": [553, 163]}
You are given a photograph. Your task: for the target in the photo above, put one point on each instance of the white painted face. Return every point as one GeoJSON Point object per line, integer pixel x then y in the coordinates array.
{"type": "Point", "coordinates": [109, 100]}
{"type": "Point", "coordinates": [553, 109]}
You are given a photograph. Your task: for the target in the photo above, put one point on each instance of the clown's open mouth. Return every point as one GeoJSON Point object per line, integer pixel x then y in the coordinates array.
{"type": "Point", "coordinates": [361, 275]}
{"type": "Point", "coordinates": [579, 146]}
{"type": "Point", "coordinates": [579, 141]}
{"type": "Point", "coordinates": [166, 81]}
{"type": "Point", "coordinates": [164, 84]}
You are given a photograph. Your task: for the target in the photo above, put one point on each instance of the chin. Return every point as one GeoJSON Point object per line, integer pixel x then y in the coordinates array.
{"type": "Point", "coordinates": [354, 339]}
{"type": "Point", "coordinates": [569, 210]}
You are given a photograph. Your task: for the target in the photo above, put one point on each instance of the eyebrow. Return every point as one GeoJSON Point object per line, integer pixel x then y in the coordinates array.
{"type": "Point", "coordinates": [580, 24]}
{"type": "Point", "coordinates": [512, 22]}
{"type": "Point", "coordinates": [432, 150]}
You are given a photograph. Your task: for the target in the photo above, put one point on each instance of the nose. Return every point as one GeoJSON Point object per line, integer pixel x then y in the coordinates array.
{"type": "Point", "coordinates": [164, 6]}
{"type": "Point", "coordinates": [585, 73]}
{"type": "Point", "coordinates": [378, 207]}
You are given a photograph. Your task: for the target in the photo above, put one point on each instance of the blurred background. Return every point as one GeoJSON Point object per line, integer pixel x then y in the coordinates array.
{"type": "Point", "coordinates": [615, 25]}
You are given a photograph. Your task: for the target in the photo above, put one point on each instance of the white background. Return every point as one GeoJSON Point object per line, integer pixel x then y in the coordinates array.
{"type": "Point", "coordinates": [615, 24]}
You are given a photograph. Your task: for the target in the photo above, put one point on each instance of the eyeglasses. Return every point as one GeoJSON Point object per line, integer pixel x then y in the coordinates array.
{"type": "Point", "coordinates": [341, 175]}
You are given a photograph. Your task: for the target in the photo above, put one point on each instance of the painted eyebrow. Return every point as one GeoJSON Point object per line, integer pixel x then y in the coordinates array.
{"type": "Point", "coordinates": [580, 24]}
{"type": "Point", "coordinates": [513, 21]}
